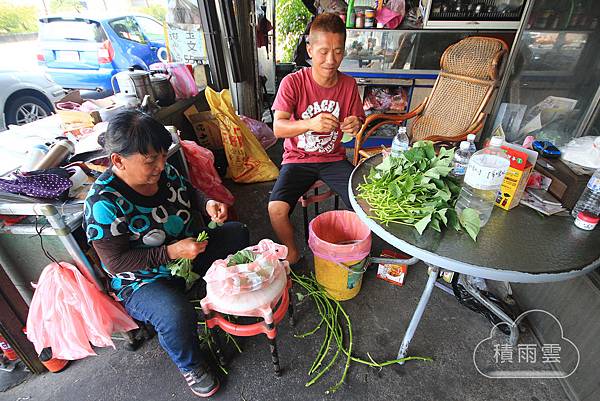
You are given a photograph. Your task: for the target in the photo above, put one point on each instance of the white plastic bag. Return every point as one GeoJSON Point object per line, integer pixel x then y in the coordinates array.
{"type": "Point", "coordinates": [584, 151]}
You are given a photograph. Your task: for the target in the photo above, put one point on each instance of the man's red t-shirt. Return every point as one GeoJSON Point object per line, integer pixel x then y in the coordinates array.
{"type": "Point", "coordinates": [303, 98]}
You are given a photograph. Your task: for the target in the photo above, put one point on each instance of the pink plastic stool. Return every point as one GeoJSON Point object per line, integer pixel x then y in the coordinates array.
{"type": "Point", "coordinates": [270, 303]}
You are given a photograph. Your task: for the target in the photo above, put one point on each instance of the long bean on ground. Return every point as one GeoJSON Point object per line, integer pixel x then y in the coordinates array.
{"type": "Point", "coordinates": [338, 330]}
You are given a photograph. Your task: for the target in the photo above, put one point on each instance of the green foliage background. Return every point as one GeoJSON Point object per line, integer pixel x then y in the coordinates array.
{"type": "Point", "coordinates": [291, 18]}
{"type": "Point", "coordinates": [17, 19]}
{"type": "Point", "coordinates": [157, 11]}
{"type": "Point", "coordinates": [65, 6]}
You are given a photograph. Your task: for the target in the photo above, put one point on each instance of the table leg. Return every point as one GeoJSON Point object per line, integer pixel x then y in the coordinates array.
{"type": "Point", "coordinates": [416, 318]}
{"type": "Point", "coordinates": [474, 291]}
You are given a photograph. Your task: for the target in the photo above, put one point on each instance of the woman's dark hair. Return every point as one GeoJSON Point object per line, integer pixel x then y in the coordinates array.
{"type": "Point", "coordinates": [133, 131]}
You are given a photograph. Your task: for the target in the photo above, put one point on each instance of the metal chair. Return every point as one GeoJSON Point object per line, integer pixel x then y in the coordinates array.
{"type": "Point", "coordinates": [469, 72]}
{"type": "Point", "coordinates": [314, 198]}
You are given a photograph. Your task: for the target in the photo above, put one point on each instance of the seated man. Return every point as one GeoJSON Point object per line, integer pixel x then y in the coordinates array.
{"type": "Point", "coordinates": [313, 107]}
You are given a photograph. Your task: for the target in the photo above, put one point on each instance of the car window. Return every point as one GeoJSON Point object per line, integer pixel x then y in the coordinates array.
{"type": "Point", "coordinates": [152, 29]}
{"type": "Point", "coordinates": [71, 30]}
{"type": "Point", "coordinates": [127, 28]}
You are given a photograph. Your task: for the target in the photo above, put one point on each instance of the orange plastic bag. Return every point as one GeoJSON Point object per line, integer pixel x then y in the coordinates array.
{"type": "Point", "coordinates": [67, 313]}
{"type": "Point", "coordinates": [248, 161]}
{"type": "Point", "coordinates": [203, 174]}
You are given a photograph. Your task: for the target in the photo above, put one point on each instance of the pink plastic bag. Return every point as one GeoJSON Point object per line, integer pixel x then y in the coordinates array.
{"type": "Point", "coordinates": [261, 131]}
{"type": "Point", "coordinates": [392, 15]}
{"type": "Point", "coordinates": [67, 313]}
{"type": "Point", "coordinates": [180, 77]}
{"type": "Point", "coordinates": [339, 236]}
{"type": "Point", "coordinates": [269, 263]}
{"type": "Point", "coordinates": [203, 174]}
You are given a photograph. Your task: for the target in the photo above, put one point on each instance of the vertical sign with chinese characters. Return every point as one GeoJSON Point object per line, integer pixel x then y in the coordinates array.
{"type": "Point", "coordinates": [186, 45]}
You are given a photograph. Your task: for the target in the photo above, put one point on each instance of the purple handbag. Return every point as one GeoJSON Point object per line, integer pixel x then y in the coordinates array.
{"type": "Point", "coordinates": [50, 184]}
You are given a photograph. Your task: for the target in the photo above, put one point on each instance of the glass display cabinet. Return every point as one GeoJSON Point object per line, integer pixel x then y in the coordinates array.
{"type": "Point", "coordinates": [552, 84]}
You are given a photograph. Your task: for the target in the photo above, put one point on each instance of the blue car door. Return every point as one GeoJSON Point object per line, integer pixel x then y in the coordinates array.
{"type": "Point", "coordinates": [135, 48]}
{"type": "Point", "coordinates": [154, 33]}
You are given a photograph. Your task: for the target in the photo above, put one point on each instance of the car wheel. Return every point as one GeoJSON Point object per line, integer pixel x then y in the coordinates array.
{"type": "Point", "coordinates": [25, 109]}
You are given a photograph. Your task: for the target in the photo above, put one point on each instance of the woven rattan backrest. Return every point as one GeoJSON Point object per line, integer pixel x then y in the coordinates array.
{"type": "Point", "coordinates": [475, 57]}
{"type": "Point", "coordinates": [451, 108]}
{"type": "Point", "coordinates": [465, 83]}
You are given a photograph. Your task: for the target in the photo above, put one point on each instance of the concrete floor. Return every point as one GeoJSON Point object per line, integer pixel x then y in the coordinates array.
{"type": "Point", "coordinates": [380, 314]}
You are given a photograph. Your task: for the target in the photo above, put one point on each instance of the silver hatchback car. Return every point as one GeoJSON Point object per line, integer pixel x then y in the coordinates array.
{"type": "Point", "coordinates": [26, 96]}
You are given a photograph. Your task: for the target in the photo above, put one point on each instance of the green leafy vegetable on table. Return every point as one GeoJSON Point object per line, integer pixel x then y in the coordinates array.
{"type": "Point", "coordinates": [182, 267]}
{"type": "Point", "coordinates": [415, 189]}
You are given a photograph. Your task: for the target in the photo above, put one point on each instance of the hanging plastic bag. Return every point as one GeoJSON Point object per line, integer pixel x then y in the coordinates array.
{"type": "Point", "coordinates": [248, 161]}
{"type": "Point", "coordinates": [203, 174]}
{"type": "Point", "coordinates": [225, 277]}
{"type": "Point", "coordinates": [180, 77]}
{"type": "Point", "coordinates": [67, 313]}
{"type": "Point", "coordinates": [392, 14]}
{"type": "Point", "coordinates": [261, 131]}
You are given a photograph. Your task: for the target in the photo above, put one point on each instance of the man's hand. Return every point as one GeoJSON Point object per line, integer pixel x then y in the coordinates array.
{"type": "Point", "coordinates": [324, 122]}
{"type": "Point", "coordinates": [350, 125]}
{"type": "Point", "coordinates": [186, 248]}
{"type": "Point", "coordinates": [217, 211]}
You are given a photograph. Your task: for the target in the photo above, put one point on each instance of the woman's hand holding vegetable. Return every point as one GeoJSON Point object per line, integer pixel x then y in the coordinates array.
{"type": "Point", "coordinates": [217, 211]}
{"type": "Point", "coordinates": [186, 248]}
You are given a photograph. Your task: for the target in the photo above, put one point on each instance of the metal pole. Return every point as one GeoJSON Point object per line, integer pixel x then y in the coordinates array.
{"type": "Point", "coordinates": [214, 46]}
{"type": "Point", "coordinates": [64, 235]}
{"type": "Point", "coordinates": [416, 318]}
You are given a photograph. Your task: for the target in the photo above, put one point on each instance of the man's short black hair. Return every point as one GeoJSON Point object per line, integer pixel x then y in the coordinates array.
{"type": "Point", "coordinates": [133, 131]}
{"type": "Point", "coordinates": [328, 22]}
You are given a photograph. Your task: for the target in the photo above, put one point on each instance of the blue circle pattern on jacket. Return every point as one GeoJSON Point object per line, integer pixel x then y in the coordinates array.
{"type": "Point", "coordinates": [112, 209]}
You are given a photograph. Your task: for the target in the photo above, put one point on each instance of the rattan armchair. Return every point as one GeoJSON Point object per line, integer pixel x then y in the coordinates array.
{"type": "Point", "coordinates": [469, 71]}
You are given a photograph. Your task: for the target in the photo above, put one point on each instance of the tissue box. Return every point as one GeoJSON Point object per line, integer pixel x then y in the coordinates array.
{"type": "Point", "coordinates": [392, 273]}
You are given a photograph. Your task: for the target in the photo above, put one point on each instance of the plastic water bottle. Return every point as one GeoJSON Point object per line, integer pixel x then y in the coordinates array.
{"type": "Point", "coordinates": [484, 176]}
{"type": "Point", "coordinates": [400, 142]}
{"type": "Point", "coordinates": [589, 201]}
{"type": "Point", "coordinates": [461, 161]}
{"type": "Point", "coordinates": [471, 140]}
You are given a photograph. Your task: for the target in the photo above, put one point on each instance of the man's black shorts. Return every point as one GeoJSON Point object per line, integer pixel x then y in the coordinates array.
{"type": "Point", "coordinates": [296, 178]}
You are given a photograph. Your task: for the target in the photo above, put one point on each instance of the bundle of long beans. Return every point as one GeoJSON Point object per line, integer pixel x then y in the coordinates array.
{"type": "Point", "coordinates": [338, 335]}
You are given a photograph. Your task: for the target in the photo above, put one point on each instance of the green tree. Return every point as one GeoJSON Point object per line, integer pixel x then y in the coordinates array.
{"type": "Point", "coordinates": [17, 19]}
{"type": "Point", "coordinates": [61, 6]}
{"type": "Point", "coordinates": [157, 11]}
{"type": "Point", "coordinates": [291, 18]}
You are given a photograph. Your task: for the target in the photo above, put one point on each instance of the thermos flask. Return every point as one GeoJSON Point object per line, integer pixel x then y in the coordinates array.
{"type": "Point", "coordinates": [58, 152]}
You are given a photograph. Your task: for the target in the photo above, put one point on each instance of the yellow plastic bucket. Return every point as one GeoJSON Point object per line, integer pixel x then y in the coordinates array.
{"type": "Point", "coordinates": [341, 243]}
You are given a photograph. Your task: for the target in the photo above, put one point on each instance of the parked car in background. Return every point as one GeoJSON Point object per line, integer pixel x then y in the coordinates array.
{"type": "Point", "coordinates": [85, 52]}
{"type": "Point", "coordinates": [26, 96]}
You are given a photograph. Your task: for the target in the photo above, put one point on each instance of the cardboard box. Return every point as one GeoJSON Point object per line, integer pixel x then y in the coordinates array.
{"type": "Point", "coordinates": [392, 273]}
{"type": "Point", "coordinates": [521, 164]}
{"type": "Point", "coordinates": [206, 128]}
{"type": "Point", "coordinates": [566, 185]}
{"type": "Point", "coordinates": [73, 120]}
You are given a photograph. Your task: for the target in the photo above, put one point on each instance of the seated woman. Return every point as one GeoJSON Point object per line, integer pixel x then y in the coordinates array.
{"type": "Point", "coordinates": [138, 218]}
